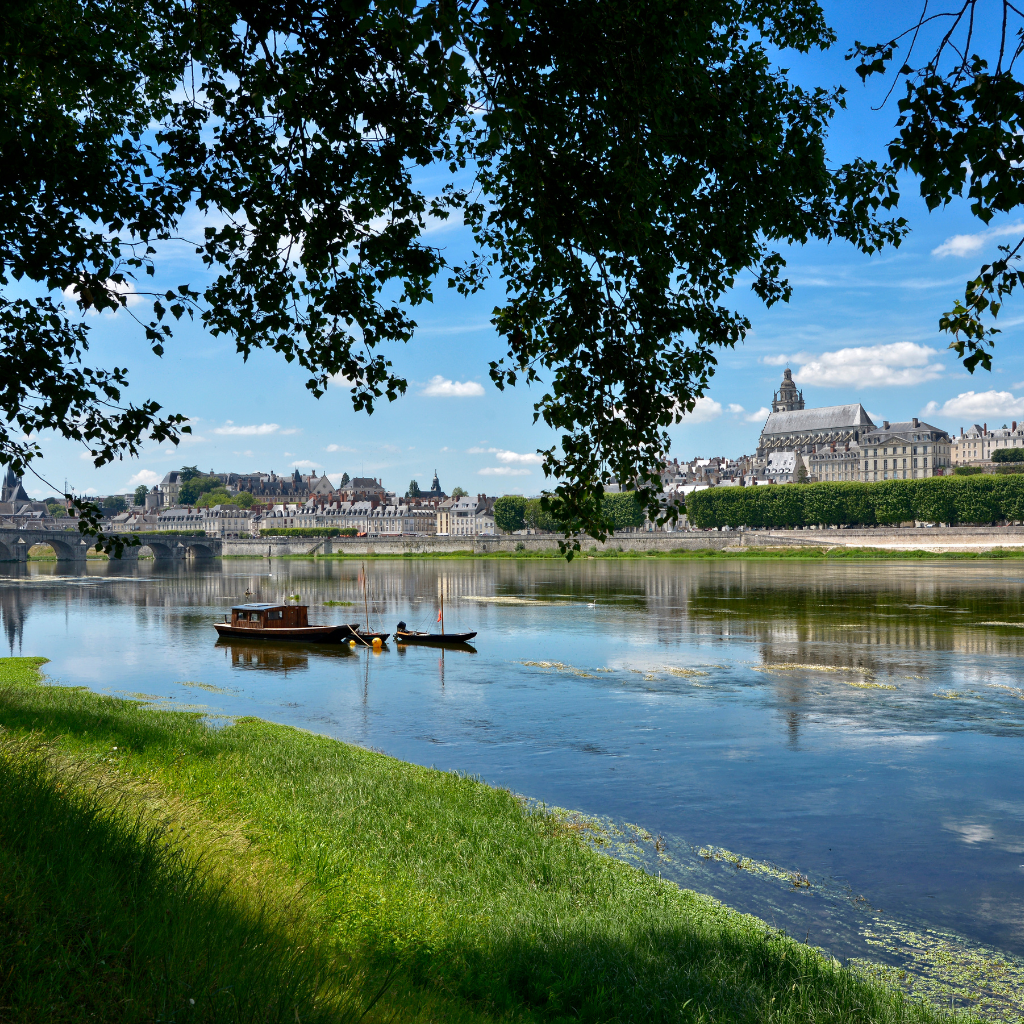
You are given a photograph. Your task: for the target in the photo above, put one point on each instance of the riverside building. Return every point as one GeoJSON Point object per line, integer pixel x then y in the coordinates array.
{"type": "Point", "coordinates": [905, 451]}
{"type": "Point", "coordinates": [978, 443]}
{"type": "Point", "coordinates": [841, 443]}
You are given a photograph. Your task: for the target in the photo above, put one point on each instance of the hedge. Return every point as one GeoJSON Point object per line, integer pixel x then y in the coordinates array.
{"type": "Point", "coordinates": [952, 499]}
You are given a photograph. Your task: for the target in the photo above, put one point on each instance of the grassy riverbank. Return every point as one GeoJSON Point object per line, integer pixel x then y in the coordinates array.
{"type": "Point", "coordinates": [800, 553]}
{"type": "Point", "coordinates": [154, 868]}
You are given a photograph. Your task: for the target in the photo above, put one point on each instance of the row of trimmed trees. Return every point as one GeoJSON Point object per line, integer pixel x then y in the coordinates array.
{"type": "Point", "coordinates": [950, 499]}
{"type": "Point", "coordinates": [513, 512]}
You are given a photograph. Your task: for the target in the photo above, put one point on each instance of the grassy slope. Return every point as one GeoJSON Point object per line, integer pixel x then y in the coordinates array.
{"type": "Point", "coordinates": [805, 553]}
{"type": "Point", "coordinates": [485, 911]}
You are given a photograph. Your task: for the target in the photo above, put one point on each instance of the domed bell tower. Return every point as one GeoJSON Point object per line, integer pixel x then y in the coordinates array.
{"type": "Point", "coordinates": [787, 398]}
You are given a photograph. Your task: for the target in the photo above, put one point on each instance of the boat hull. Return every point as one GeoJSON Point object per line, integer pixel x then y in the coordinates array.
{"type": "Point", "coordinates": [358, 634]}
{"type": "Point", "coordinates": [432, 638]}
{"type": "Point", "coordinates": [307, 634]}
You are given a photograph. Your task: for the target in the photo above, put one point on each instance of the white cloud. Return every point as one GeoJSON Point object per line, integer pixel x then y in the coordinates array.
{"type": "Point", "coordinates": [775, 360]}
{"type": "Point", "coordinates": [968, 245]}
{"type": "Point", "coordinates": [758, 417]}
{"type": "Point", "coordinates": [977, 405]}
{"type": "Point", "coordinates": [338, 448]}
{"type": "Point", "coordinates": [440, 387]}
{"type": "Point", "coordinates": [126, 290]}
{"type": "Point", "coordinates": [306, 464]}
{"type": "Point", "coordinates": [292, 430]}
{"type": "Point", "coordinates": [531, 458]}
{"type": "Point", "coordinates": [254, 430]}
{"type": "Point", "coordinates": [85, 456]}
{"type": "Point", "coordinates": [901, 364]}
{"type": "Point", "coordinates": [144, 476]}
{"type": "Point", "coordinates": [502, 471]}
{"type": "Point", "coordinates": [705, 410]}
{"type": "Point", "coordinates": [733, 407]}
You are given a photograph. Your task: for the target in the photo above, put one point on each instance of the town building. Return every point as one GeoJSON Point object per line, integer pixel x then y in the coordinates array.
{"type": "Point", "coordinates": [977, 444]}
{"type": "Point", "coordinates": [466, 517]}
{"type": "Point", "coordinates": [905, 451]}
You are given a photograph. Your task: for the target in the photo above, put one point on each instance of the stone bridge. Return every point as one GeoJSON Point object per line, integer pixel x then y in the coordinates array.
{"type": "Point", "coordinates": [70, 546]}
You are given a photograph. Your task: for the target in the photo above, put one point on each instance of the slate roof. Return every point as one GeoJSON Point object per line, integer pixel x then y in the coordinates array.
{"type": "Point", "coordinates": [829, 417]}
{"type": "Point", "coordinates": [908, 427]}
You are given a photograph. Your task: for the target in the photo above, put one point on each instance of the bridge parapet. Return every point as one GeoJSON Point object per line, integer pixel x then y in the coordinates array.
{"type": "Point", "coordinates": [71, 546]}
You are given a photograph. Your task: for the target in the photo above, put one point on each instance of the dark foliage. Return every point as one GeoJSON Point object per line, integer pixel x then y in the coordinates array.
{"type": "Point", "coordinates": [296, 125]}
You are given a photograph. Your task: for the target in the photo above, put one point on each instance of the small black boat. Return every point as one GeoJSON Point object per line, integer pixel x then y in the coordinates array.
{"type": "Point", "coordinates": [404, 635]}
{"type": "Point", "coordinates": [352, 631]}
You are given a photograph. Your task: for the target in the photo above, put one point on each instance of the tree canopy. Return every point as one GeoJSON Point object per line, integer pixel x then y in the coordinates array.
{"type": "Point", "coordinates": [961, 132]}
{"type": "Point", "coordinates": [510, 513]}
{"type": "Point", "coordinates": [620, 165]}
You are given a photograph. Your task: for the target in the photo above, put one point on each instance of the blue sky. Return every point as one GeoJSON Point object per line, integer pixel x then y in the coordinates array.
{"type": "Point", "coordinates": [858, 329]}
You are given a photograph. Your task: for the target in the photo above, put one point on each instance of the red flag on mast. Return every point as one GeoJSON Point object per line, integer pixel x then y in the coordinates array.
{"type": "Point", "coordinates": [438, 616]}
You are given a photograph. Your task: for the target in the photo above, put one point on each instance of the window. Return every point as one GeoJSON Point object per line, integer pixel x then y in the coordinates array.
{"type": "Point", "coordinates": [276, 614]}
{"type": "Point", "coordinates": [254, 616]}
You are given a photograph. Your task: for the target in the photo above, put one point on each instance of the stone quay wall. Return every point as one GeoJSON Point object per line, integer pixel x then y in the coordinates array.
{"type": "Point", "coordinates": [937, 539]}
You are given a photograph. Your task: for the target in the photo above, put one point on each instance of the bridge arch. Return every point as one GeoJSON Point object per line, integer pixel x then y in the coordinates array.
{"type": "Point", "coordinates": [158, 548]}
{"type": "Point", "coordinates": [66, 550]}
{"type": "Point", "coordinates": [6, 554]}
{"type": "Point", "coordinates": [199, 550]}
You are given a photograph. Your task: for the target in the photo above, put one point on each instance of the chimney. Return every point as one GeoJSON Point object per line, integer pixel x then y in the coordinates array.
{"type": "Point", "coordinates": [1013, 426]}
{"type": "Point", "coordinates": [984, 428]}
{"type": "Point", "coordinates": [885, 424]}
{"type": "Point", "coordinates": [961, 431]}
{"type": "Point", "coordinates": [916, 422]}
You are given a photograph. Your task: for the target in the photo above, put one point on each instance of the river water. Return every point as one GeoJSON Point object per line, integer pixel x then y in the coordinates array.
{"type": "Point", "coordinates": [836, 748]}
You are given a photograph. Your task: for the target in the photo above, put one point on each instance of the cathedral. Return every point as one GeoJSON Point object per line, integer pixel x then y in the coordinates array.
{"type": "Point", "coordinates": [791, 427]}
{"type": "Point", "coordinates": [841, 443]}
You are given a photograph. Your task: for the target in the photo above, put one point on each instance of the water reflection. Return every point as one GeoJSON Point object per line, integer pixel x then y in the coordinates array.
{"type": "Point", "coordinates": [857, 724]}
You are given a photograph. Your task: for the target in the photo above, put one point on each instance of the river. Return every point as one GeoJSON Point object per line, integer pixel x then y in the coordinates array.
{"type": "Point", "coordinates": [836, 748]}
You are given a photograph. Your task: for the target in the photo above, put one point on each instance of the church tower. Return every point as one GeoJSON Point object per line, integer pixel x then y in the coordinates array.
{"type": "Point", "coordinates": [12, 489]}
{"type": "Point", "coordinates": [787, 398]}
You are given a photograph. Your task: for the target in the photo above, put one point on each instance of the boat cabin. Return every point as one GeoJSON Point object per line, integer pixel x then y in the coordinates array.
{"type": "Point", "coordinates": [269, 616]}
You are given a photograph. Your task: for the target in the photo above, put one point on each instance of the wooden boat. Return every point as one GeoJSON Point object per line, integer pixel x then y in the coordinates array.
{"type": "Point", "coordinates": [354, 632]}
{"type": "Point", "coordinates": [278, 622]}
{"type": "Point", "coordinates": [415, 636]}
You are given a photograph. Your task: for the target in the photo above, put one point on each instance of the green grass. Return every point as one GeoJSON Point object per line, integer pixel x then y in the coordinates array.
{"type": "Point", "coordinates": [799, 553]}
{"type": "Point", "coordinates": [271, 874]}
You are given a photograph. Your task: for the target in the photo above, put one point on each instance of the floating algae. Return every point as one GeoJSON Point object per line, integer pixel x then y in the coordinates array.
{"type": "Point", "coordinates": [560, 666]}
{"type": "Point", "coordinates": [202, 686]}
{"type": "Point", "coordinates": [944, 968]}
{"type": "Point", "coordinates": [867, 685]}
{"type": "Point", "coordinates": [757, 867]}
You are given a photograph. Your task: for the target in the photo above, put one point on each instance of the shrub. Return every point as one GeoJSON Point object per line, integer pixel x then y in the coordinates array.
{"type": "Point", "coordinates": [1008, 455]}
{"type": "Point", "coordinates": [975, 501]}
{"type": "Point", "coordinates": [510, 513]}
{"type": "Point", "coordinates": [622, 510]}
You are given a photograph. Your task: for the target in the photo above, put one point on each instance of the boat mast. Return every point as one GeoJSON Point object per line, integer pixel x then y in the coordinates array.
{"type": "Point", "coordinates": [365, 608]}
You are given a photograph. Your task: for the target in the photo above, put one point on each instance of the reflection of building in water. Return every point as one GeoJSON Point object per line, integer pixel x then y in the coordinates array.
{"type": "Point", "coordinates": [265, 655]}
{"type": "Point", "coordinates": [13, 611]}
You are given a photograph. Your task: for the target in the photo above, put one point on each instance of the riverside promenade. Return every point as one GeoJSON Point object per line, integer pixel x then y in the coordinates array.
{"type": "Point", "coordinates": [938, 539]}
{"type": "Point", "coordinates": [15, 543]}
